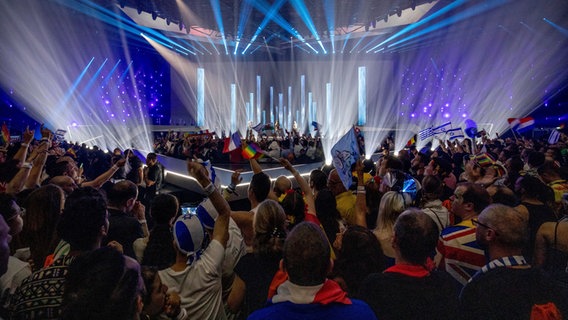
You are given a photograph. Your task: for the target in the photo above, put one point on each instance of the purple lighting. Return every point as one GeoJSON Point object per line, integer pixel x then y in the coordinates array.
{"type": "Point", "coordinates": [74, 124]}
{"type": "Point", "coordinates": [446, 115]}
{"type": "Point", "coordinates": [464, 115]}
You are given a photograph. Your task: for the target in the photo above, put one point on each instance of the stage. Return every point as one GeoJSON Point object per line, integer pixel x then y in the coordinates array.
{"type": "Point", "coordinates": [178, 180]}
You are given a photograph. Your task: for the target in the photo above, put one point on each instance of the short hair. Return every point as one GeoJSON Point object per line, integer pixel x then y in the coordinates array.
{"type": "Point", "coordinates": [269, 228]}
{"type": "Point", "coordinates": [319, 179]}
{"type": "Point", "coordinates": [121, 192]}
{"type": "Point", "coordinates": [163, 208]}
{"type": "Point", "coordinates": [444, 165]}
{"type": "Point", "coordinates": [511, 227]}
{"type": "Point", "coordinates": [476, 194]}
{"type": "Point", "coordinates": [6, 208]}
{"type": "Point", "coordinates": [84, 214]}
{"type": "Point", "coordinates": [307, 255]}
{"type": "Point", "coordinates": [151, 156]}
{"type": "Point", "coordinates": [282, 184]}
{"type": "Point", "coordinates": [536, 159]}
{"type": "Point", "coordinates": [416, 235]}
{"type": "Point", "coordinates": [533, 187]}
{"type": "Point", "coordinates": [393, 163]}
{"type": "Point", "coordinates": [294, 205]}
{"type": "Point", "coordinates": [260, 186]}
{"type": "Point", "coordinates": [101, 285]}
{"type": "Point", "coordinates": [361, 251]}
{"type": "Point", "coordinates": [432, 187]}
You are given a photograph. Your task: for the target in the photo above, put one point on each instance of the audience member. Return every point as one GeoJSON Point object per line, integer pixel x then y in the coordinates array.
{"type": "Point", "coordinates": [255, 270]}
{"type": "Point", "coordinates": [392, 204]}
{"type": "Point", "coordinates": [103, 284]}
{"type": "Point", "coordinates": [358, 255]}
{"type": "Point", "coordinates": [126, 216]}
{"type": "Point", "coordinates": [83, 224]}
{"type": "Point", "coordinates": [158, 250]}
{"type": "Point", "coordinates": [533, 209]}
{"type": "Point", "coordinates": [196, 273]}
{"type": "Point", "coordinates": [508, 287]}
{"type": "Point", "coordinates": [307, 294]}
{"type": "Point", "coordinates": [458, 253]}
{"type": "Point", "coordinates": [411, 289]}
{"type": "Point", "coordinates": [39, 234]}
{"type": "Point", "coordinates": [157, 300]}
{"type": "Point", "coordinates": [551, 249]}
{"type": "Point", "coordinates": [344, 198]}
{"type": "Point", "coordinates": [431, 204]}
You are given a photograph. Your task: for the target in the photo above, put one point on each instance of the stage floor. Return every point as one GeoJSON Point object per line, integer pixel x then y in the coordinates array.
{"type": "Point", "coordinates": [176, 174]}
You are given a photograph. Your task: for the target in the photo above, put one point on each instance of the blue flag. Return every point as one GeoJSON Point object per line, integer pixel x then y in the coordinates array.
{"type": "Point", "coordinates": [345, 153]}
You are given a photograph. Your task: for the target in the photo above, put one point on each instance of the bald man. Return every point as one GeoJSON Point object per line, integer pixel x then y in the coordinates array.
{"type": "Point", "coordinates": [508, 287]}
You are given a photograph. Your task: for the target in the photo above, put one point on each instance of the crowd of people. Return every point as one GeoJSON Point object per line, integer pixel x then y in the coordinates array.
{"type": "Point", "coordinates": [472, 230]}
{"type": "Point", "coordinates": [294, 146]}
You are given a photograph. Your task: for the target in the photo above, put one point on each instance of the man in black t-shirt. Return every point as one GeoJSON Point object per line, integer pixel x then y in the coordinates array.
{"type": "Point", "coordinates": [153, 177]}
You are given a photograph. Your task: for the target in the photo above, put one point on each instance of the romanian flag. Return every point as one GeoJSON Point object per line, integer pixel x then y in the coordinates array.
{"type": "Point", "coordinates": [5, 134]}
{"type": "Point", "coordinates": [252, 151]}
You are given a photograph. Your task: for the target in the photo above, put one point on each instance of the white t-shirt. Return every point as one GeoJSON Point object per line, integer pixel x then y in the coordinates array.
{"type": "Point", "coordinates": [199, 285]}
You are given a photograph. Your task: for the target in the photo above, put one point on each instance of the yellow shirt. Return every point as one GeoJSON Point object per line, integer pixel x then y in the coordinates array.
{"type": "Point", "coordinates": [346, 206]}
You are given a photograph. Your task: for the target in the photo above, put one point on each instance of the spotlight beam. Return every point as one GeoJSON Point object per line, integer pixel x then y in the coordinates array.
{"type": "Point", "coordinates": [453, 19]}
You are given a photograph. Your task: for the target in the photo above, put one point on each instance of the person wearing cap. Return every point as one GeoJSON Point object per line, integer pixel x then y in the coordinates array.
{"type": "Point", "coordinates": [196, 273]}
{"type": "Point", "coordinates": [234, 249]}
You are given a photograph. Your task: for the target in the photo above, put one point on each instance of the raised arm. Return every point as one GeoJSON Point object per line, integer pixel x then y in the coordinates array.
{"type": "Point", "coordinates": [361, 200]}
{"type": "Point", "coordinates": [221, 229]}
{"type": "Point", "coordinates": [304, 186]}
{"type": "Point", "coordinates": [100, 180]}
{"type": "Point", "coordinates": [22, 153]}
{"type": "Point", "coordinates": [37, 159]}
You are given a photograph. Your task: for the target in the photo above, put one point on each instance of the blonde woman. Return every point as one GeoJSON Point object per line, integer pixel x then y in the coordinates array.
{"type": "Point", "coordinates": [392, 204]}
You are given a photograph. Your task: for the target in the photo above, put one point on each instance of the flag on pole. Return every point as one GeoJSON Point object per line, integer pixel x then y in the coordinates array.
{"type": "Point", "coordinates": [5, 134]}
{"type": "Point", "coordinates": [258, 127]}
{"type": "Point", "coordinates": [345, 153]}
{"type": "Point", "coordinates": [252, 151]}
{"type": "Point", "coordinates": [525, 124]}
{"type": "Point", "coordinates": [316, 125]}
{"type": "Point", "coordinates": [554, 137]}
{"type": "Point", "coordinates": [212, 175]}
{"type": "Point", "coordinates": [232, 142]}
{"type": "Point", "coordinates": [521, 124]}
{"type": "Point", "coordinates": [425, 134]}
{"type": "Point", "coordinates": [442, 128]}
{"type": "Point", "coordinates": [411, 141]}
{"type": "Point", "coordinates": [456, 133]}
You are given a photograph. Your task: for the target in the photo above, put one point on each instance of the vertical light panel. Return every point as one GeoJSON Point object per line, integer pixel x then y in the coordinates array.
{"type": "Point", "coordinates": [280, 105]}
{"type": "Point", "coordinates": [233, 107]}
{"type": "Point", "coordinates": [272, 104]}
{"type": "Point", "coordinates": [249, 112]}
{"type": "Point", "coordinates": [258, 113]}
{"type": "Point", "coordinates": [328, 104]}
{"type": "Point", "coordinates": [290, 111]}
{"type": "Point", "coordinates": [200, 97]}
{"type": "Point", "coordinates": [303, 103]}
{"type": "Point", "coordinates": [251, 101]}
{"type": "Point", "coordinates": [263, 116]}
{"type": "Point", "coordinates": [362, 120]}
{"type": "Point", "coordinates": [311, 112]}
